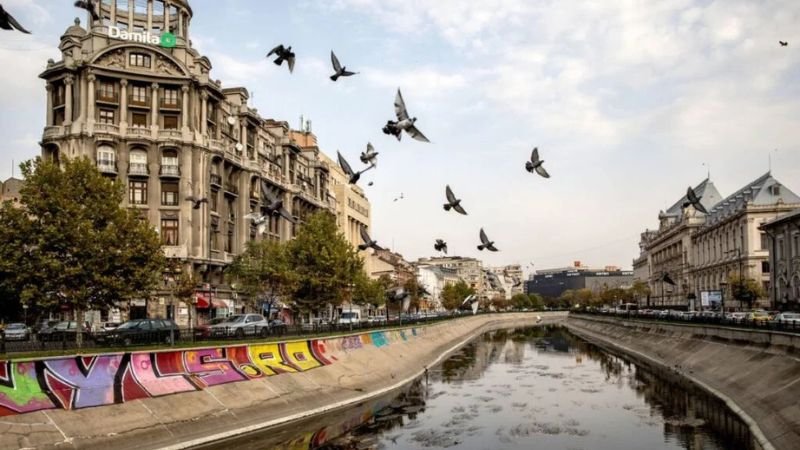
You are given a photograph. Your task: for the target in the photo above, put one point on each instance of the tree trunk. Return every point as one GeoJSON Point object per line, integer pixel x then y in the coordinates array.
{"type": "Point", "coordinates": [79, 332]}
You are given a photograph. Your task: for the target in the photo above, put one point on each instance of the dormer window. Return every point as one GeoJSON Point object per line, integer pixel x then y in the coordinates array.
{"type": "Point", "coordinates": [775, 189]}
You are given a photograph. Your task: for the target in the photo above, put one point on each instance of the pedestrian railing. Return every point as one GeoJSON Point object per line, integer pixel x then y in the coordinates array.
{"type": "Point", "coordinates": [789, 326]}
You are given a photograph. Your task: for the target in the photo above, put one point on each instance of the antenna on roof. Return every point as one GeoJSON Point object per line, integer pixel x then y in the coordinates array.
{"type": "Point", "coordinates": [708, 168]}
{"type": "Point", "coordinates": [302, 123]}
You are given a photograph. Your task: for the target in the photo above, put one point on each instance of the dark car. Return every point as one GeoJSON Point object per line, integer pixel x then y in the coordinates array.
{"type": "Point", "coordinates": [276, 326]}
{"type": "Point", "coordinates": [141, 331]}
{"type": "Point", "coordinates": [62, 331]}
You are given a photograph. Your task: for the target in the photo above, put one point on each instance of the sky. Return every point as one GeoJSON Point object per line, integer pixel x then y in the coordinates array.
{"type": "Point", "coordinates": [629, 102]}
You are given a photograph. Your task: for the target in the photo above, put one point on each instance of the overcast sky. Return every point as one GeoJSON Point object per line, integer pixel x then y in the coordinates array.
{"type": "Point", "coordinates": [629, 103]}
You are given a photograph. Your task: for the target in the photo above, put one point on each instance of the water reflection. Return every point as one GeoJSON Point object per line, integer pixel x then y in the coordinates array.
{"type": "Point", "coordinates": [525, 388]}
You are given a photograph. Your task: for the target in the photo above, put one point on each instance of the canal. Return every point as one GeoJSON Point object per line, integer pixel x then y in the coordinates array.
{"type": "Point", "coordinates": [531, 388]}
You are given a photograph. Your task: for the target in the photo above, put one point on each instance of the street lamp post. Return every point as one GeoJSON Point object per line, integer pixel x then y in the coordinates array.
{"type": "Point", "coordinates": [722, 286]}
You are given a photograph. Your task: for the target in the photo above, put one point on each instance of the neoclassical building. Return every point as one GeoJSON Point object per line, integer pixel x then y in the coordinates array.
{"type": "Point", "coordinates": [783, 235]}
{"type": "Point", "coordinates": [142, 103]}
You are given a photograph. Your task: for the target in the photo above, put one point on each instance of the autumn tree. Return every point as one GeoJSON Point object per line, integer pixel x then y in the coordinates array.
{"type": "Point", "coordinates": [263, 272]}
{"type": "Point", "coordinates": [521, 301]}
{"type": "Point", "coordinates": [183, 286]}
{"type": "Point", "coordinates": [368, 291]}
{"type": "Point", "coordinates": [454, 294]}
{"type": "Point", "coordinates": [70, 243]}
{"type": "Point", "coordinates": [745, 290]}
{"type": "Point", "coordinates": [325, 265]}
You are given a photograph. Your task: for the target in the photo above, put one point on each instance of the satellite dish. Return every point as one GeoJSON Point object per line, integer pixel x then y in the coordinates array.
{"type": "Point", "coordinates": [239, 146]}
{"type": "Point", "coordinates": [231, 120]}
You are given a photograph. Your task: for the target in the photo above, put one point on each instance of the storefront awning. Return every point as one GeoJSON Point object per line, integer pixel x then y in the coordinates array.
{"type": "Point", "coordinates": [204, 302]}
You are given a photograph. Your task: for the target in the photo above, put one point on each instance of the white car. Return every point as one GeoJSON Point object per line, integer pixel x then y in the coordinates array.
{"type": "Point", "coordinates": [788, 318]}
{"type": "Point", "coordinates": [240, 325]}
{"type": "Point", "coordinates": [17, 332]}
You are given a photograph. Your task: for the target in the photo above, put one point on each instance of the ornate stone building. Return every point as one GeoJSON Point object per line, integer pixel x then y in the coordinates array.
{"type": "Point", "coordinates": [9, 190]}
{"type": "Point", "coordinates": [149, 113]}
{"type": "Point", "coordinates": [783, 233]}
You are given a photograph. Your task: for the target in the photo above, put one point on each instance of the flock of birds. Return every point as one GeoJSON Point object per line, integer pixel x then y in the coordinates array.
{"type": "Point", "coordinates": [273, 207]}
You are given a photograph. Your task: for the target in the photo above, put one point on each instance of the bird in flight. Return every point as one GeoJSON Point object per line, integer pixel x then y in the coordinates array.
{"type": "Point", "coordinates": [399, 198]}
{"type": "Point", "coordinates": [452, 201]}
{"type": "Point", "coordinates": [196, 202]}
{"type": "Point", "coordinates": [783, 43]}
{"type": "Point", "coordinates": [370, 156]}
{"type": "Point", "coordinates": [283, 54]}
{"type": "Point", "coordinates": [368, 242]}
{"type": "Point", "coordinates": [8, 22]}
{"type": "Point", "coordinates": [694, 200]}
{"type": "Point", "coordinates": [274, 208]}
{"type": "Point", "coordinates": [352, 175]}
{"type": "Point", "coordinates": [440, 246]}
{"type": "Point", "coordinates": [536, 164]}
{"type": "Point", "coordinates": [404, 122]}
{"type": "Point", "coordinates": [486, 243]}
{"type": "Point", "coordinates": [341, 71]}
{"type": "Point", "coordinates": [89, 5]}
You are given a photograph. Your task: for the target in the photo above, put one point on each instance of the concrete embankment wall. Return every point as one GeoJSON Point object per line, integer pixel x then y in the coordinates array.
{"type": "Point", "coordinates": [158, 399]}
{"type": "Point", "coordinates": [756, 373]}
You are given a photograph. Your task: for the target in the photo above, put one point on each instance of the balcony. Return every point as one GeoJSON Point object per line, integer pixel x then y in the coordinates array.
{"type": "Point", "coordinates": [231, 188]}
{"type": "Point", "coordinates": [139, 101]}
{"type": "Point", "coordinates": [215, 144]}
{"type": "Point", "coordinates": [139, 131]}
{"type": "Point", "coordinates": [107, 97]}
{"type": "Point", "coordinates": [138, 169]}
{"type": "Point", "coordinates": [216, 180]}
{"type": "Point", "coordinates": [53, 131]}
{"type": "Point", "coordinates": [170, 134]}
{"type": "Point", "coordinates": [170, 171]}
{"type": "Point", "coordinates": [170, 103]}
{"type": "Point", "coordinates": [105, 166]}
{"type": "Point", "coordinates": [106, 128]}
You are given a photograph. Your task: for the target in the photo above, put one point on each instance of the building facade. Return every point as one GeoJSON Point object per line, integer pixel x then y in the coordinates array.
{"type": "Point", "coordinates": [9, 190]}
{"type": "Point", "coordinates": [730, 242]}
{"type": "Point", "coordinates": [434, 279]}
{"type": "Point", "coordinates": [551, 283]}
{"type": "Point", "coordinates": [470, 270]}
{"type": "Point", "coordinates": [506, 277]}
{"type": "Point", "coordinates": [783, 235]}
{"type": "Point", "coordinates": [151, 116]}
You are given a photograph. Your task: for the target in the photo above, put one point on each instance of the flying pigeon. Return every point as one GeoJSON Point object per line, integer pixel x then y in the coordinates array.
{"type": "Point", "coordinates": [783, 43]}
{"type": "Point", "coordinates": [469, 299]}
{"type": "Point", "coordinates": [486, 243]}
{"type": "Point", "coordinates": [404, 122]}
{"type": "Point", "coordinates": [397, 294]}
{"type": "Point", "coordinates": [370, 156]}
{"type": "Point", "coordinates": [196, 201]}
{"type": "Point", "coordinates": [399, 198]}
{"type": "Point", "coordinates": [274, 207]}
{"type": "Point", "coordinates": [517, 282]}
{"type": "Point", "coordinates": [353, 176]}
{"type": "Point", "coordinates": [368, 242]}
{"type": "Point", "coordinates": [370, 183]}
{"type": "Point", "coordinates": [341, 71]}
{"type": "Point", "coordinates": [8, 22]}
{"type": "Point", "coordinates": [453, 202]}
{"type": "Point", "coordinates": [283, 53]}
{"type": "Point", "coordinates": [89, 5]}
{"type": "Point", "coordinates": [440, 246]}
{"type": "Point", "coordinates": [665, 278]}
{"type": "Point", "coordinates": [536, 164]}
{"type": "Point", "coordinates": [694, 200]}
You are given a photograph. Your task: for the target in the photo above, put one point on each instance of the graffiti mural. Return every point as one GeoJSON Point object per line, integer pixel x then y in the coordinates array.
{"type": "Point", "coordinates": [76, 382]}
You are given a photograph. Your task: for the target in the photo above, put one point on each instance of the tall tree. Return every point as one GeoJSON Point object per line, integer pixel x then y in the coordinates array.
{"type": "Point", "coordinates": [368, 291]}
{"type": "Point", "coordinates": [521, 301]}
{"type": "Point", "coordinates": [263, 272]}
{"type": "Point", "coordinates": [324, 263]}
{"type": "Point", "coordinates": [454, 294]}
{"type": "Point", "coordinates": [183, 287]}
{"type": "Point", "coordinates": [414, 291]}
{"type": "Point", "coordinates": [745, 290]}
{"type": "Point", "coordinates": [70, 244]}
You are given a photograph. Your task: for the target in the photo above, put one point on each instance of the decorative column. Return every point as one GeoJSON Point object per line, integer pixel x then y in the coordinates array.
{"type": "Point", "coordinates": [185, 108]}
{"type": "Point", "coordinates": [149, 15]}
{"type": "Point", "coordinates": [114, 12]}
{"type": "Point", "coordinates": [90, 104]}
{"type": "Point", "coordinates": [203, 113]}
{"type": "Point", "coordinates": [68, 81]}
{"type": "Point", "coordinates": [131, 7]}
{"type": "Point", "coordinates": [180, 25]}
{"type": "Point", "coordinates": [243, 134]}
{"type": "Point", "coordinates": [154, 108]}
{"type": "Point", "coordinates": [123, 106]}
{"type": "Point", "coordinates": [166, 16]}
{"type": "Point", "coordinates": [49, 88]}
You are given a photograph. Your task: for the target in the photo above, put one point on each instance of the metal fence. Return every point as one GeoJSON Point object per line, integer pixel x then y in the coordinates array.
{"type": "Point", "coordinates": [789, 326]}
{"type": "Point", "coordinates": [201, 335]}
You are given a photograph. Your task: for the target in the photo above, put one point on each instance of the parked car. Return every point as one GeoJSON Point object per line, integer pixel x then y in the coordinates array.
{"type": "Point", "coordinates": [736, 316]}
{"type": "Point", "coordinates": [108, 326]}
{"type": "Point", "coordinates": [277, 326]}
{"type": "Point", "coordinates": [62, 331]}
{"type": "Point", "coordinates": [203, 331]}
{"type": "Point", "coordinates": [241, 325]}
{"type": "Point", "coordinates": [141, 331]}
{"type": "Point", "coordinates": [16, 332]}
{"type": "Point", "coordinates": [759, 316]}
{"type": "Point", "coordinates": [43, 324]}
{"type": "Point", "coordinates": [788, 318]}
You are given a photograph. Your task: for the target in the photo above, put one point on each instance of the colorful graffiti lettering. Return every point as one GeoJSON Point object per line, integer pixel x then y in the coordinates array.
{"type": "Point", "coordinates": [86, 381]}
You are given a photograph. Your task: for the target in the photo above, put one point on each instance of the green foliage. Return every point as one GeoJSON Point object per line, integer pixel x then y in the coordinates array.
{"type": "Point", "coordinates": [747, 290]}
{"type": "Point", "coordinates": [521, 301]}
{"type": "Point", "coordinates": [71, 243]}
{"type": "Point", "coordinates": [263, 271]}
{"type": "Point", "coordinates": [368, 291]}
{"type": "Point", "coordinates": [536, 301]}
{"type": "Point", "coordinates": [500, 303]}
{"type": "Point", "coordinates": [324, 263]}
{"type": "Point", "coordinates": [414, 291]}
{"type": "Point", "coordinates": [454, 294]}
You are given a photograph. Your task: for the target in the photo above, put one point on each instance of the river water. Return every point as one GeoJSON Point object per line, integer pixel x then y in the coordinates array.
{"type": "Point", "coordinates": [532, 388]}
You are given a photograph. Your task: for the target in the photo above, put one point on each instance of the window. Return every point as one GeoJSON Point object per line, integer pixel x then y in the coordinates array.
{"type": "Point", "coordinates": [170, 122]}
{"type": "Point", "coordinates": [140, 60]}
{"type": "Point", "coordinates": [169, 193]}
{"type": "Point", "coordinates": [106, 157]}
{"type": "Point", "coordinates": [779, 250]}
{"type": "Point", "coordinates": [229, 239]}
{"type": "Point", "coordinates": [137, 162]}
{"type": "Point", "coordinates": [107, 116]}
{"type": "Point", "coordinates": [169, 231]}
{"type": "Point", "coordinates": [170, 97]}
{"type": "Point", "coordinates": [213, 200]}
{"type": "Point", "coordinates": [107, 91]}
{"type": "Point", "coordinates": [764, 266]}
{"type": "Point", "coordinates": [796, 245]}
{"type": "Point", "coordinates": [139, 120]}
{"type": "Point", "coordinates": [775, 189]}
{"type": "Point", "coordinates": [764, 241]}
{"type": "Point", "coordinates": [137, 192]}
{"type": "Point", "coordinates": [139, 95]}
{"type": "Point", "coordinates": [214, 234]}
{"type": "Point", "coordinates": [58, 95]}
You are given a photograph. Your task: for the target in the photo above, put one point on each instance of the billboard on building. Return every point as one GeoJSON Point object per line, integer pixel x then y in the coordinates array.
{"type": "Point", "coordinates": [711, 299]}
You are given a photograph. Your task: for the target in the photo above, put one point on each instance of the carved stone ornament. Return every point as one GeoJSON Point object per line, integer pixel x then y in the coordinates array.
{"type": "Point", "coordinates": [115, 58]}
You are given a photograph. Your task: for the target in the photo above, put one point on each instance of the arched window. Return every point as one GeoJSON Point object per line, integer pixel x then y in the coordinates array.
{"type": "Point", "coordinates": [137, 162]}
{"type": "Point", "coordinates": [106, 158]}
